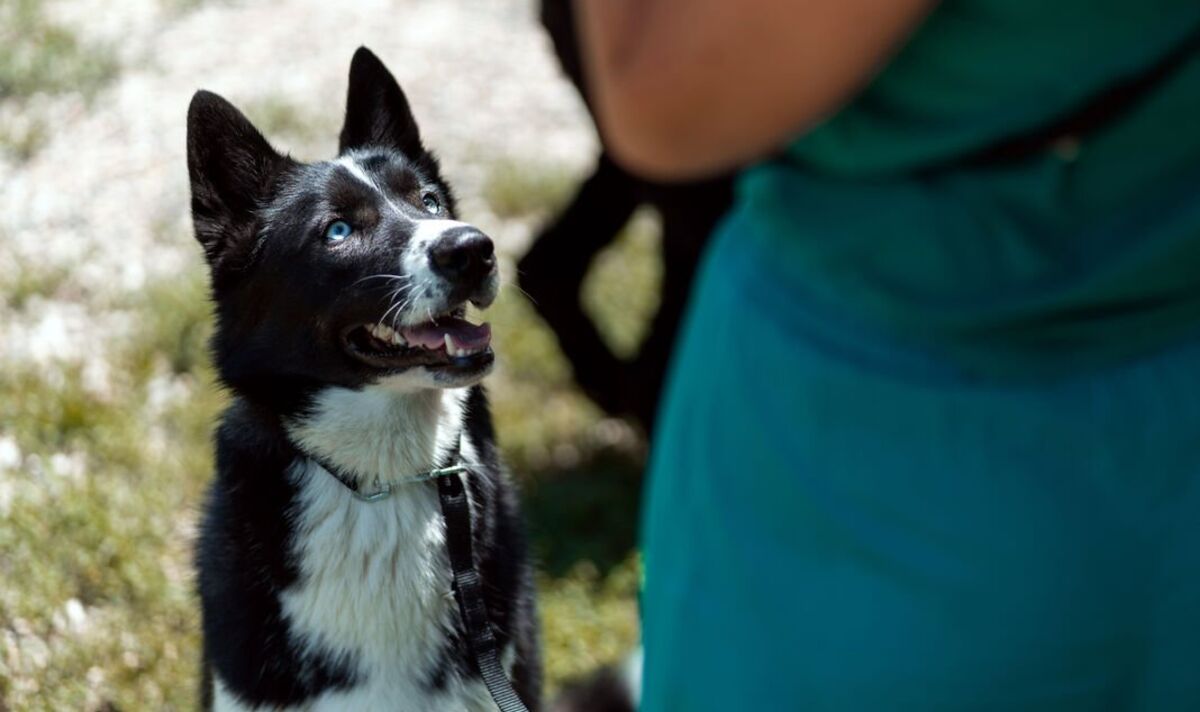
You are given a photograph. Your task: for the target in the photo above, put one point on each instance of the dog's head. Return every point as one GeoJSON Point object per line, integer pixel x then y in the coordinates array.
{"type": "Point", "coordinates": [344, 272]}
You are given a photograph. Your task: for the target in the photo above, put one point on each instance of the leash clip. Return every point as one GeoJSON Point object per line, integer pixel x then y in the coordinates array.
{"type": "Point", "coordinates": [440, 472]}
{"type": "Point", "coordinates": [386, 490]}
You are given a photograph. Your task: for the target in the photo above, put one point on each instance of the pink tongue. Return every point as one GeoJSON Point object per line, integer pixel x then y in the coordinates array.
{"type": "Point", "coordinates": [433, 335]}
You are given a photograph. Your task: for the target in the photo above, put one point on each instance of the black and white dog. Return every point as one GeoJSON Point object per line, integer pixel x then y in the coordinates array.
{"type": "Point", "coordinates": [340, 289]}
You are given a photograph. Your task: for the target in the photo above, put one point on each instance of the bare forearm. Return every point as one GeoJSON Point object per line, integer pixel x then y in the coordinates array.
{"type": "Point", "coordinates": [610, 31]}
{"type": "Point", "coordinates": [684, 88]}
{"type": "Point", "coordinates": [635, 52]}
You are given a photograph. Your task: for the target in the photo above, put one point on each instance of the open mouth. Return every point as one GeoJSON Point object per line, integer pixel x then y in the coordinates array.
{"type": "Point", "coordinates": [447, 342]}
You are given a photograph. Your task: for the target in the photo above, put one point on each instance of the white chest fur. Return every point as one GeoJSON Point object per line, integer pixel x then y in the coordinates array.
{"type": "Point", "coordinates": [375, 586]}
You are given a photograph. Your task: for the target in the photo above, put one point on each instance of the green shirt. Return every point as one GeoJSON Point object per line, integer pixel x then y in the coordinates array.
{"type": "Point", "coordinates": [1024, 269]}
{"type": "Point", "coordinates": [930, 436]}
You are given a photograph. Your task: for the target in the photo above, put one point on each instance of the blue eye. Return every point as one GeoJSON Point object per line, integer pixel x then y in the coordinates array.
{"type": "Point", "coordinates": [431, 202]}
{"type": "Point", "coordinates": [337, 231]}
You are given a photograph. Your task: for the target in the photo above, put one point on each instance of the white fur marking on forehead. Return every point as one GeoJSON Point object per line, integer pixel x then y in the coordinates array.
{"type": "Point", "coordinates": [350, 163]}
{"type": "Point", "coordinates": [357, 171]}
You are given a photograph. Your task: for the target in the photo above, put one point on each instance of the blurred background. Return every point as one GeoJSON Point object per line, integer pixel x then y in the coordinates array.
{"type": "Point", "coordinates": [107, 398]}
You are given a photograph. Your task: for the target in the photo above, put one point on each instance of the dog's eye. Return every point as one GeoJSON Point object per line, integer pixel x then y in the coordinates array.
{"type": "Point", "coordinates": [432, 204]}
{"type": "Point", "coordinates": [338, 230]}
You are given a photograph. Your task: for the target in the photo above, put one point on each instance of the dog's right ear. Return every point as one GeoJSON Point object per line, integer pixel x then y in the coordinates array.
{"type": "Point", "coordinates": [377, 112]}
{"type": "Point", "coordinates": [232, 169]}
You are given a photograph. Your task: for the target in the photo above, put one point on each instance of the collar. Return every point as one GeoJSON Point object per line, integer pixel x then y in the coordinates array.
{"type": "Point", "coordinates": [350, 481]}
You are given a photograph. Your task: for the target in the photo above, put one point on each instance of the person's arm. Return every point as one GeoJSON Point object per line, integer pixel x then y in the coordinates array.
{"type": "Point", "coordinates": [685, 88]}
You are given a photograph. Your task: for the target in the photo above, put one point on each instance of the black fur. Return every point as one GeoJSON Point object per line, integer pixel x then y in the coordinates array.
{"type": "Point", "coordinates": [563, 251]}
{"type": "Point", "coordinates": [282, 304]}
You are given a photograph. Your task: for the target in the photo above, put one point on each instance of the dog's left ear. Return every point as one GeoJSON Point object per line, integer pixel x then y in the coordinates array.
{"type": "Point", "coordinates": [377, 113]}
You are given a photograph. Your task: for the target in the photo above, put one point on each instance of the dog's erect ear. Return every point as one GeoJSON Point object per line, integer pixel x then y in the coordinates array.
{"type": "Point", "coordinates": [377, 112]}
{"type": "Point", "coordinates": [232, 168]}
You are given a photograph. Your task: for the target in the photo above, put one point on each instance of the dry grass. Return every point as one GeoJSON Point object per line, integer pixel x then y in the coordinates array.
{"type": "Point", "coordinates": [39, 56]}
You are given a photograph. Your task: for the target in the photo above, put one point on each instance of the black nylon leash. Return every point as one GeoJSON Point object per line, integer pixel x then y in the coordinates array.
{"type": "Point", "coordinates": [460, 549]}
{"type": "Point", "coordinates": [468, 590]}
{"type": "Point", "coordinates": [1086, 119]}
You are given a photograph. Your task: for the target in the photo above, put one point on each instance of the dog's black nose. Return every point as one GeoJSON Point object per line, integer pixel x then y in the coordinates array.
{"type": "Point", "coordinates": [465, 255]}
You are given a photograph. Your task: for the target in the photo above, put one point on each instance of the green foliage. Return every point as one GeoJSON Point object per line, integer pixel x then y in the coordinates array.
{"type": "Point", "coordinates": [537, 409]}
{"type": "Point", "coordinates": [94, 551]}
{"type": "Point", "coordinates": [21, 282]}
{"type": "Point", "coordinates": [621, 292]}
{"type": "Point", "coordinates": [585, 512]}
{"type": "Point", "coordinates": [182, 7]}
{"type": "Point", "coordinates": [175, 320]}
{"type": "Point", "coordinates": [589, 619]}
{"type": "Point", "coordinates": [516, 190]}
{"type": "Point", "coordinates": [37, 55]}
{"type": "Point", "coordinates": [23, 140]}
{"type": "Point", "coordinates": [284, 122]}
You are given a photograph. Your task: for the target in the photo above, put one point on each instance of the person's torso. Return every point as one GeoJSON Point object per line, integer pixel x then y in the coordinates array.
{"type": "Point", "coordinates": [1076, 254]}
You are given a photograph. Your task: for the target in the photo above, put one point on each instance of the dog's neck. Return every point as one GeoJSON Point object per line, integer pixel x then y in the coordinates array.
{"type": "Point", "coordinates": [379, 435]}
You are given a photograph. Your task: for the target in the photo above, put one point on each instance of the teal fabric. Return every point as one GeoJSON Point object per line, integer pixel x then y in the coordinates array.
{"type": "Point", "coordinates": [978, 70]}
{"type": "Point", "coordinates": [823, 535]}
{"type": "Point", "coordinates": [931, 440]}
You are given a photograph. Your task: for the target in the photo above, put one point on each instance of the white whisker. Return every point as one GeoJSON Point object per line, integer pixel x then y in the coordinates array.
{"type": "Point", "coordinates": [395, 305]}
{"type": "Point", "coordinates": [396, 317]}
{"type": "Point", "coordinates": [394, 277]}
{"type": "Point", "coordinates": [516, 286]}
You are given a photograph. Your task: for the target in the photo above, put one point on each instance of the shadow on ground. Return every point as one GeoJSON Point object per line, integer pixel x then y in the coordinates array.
{"type": "Point", "coordinates": [586, 512]}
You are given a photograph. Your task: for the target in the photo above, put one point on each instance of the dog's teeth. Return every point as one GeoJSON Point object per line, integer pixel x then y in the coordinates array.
{"type": "Point", "coordinates": [451, 348]}
{"type": "Point", "coordinates": [383, 332]}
